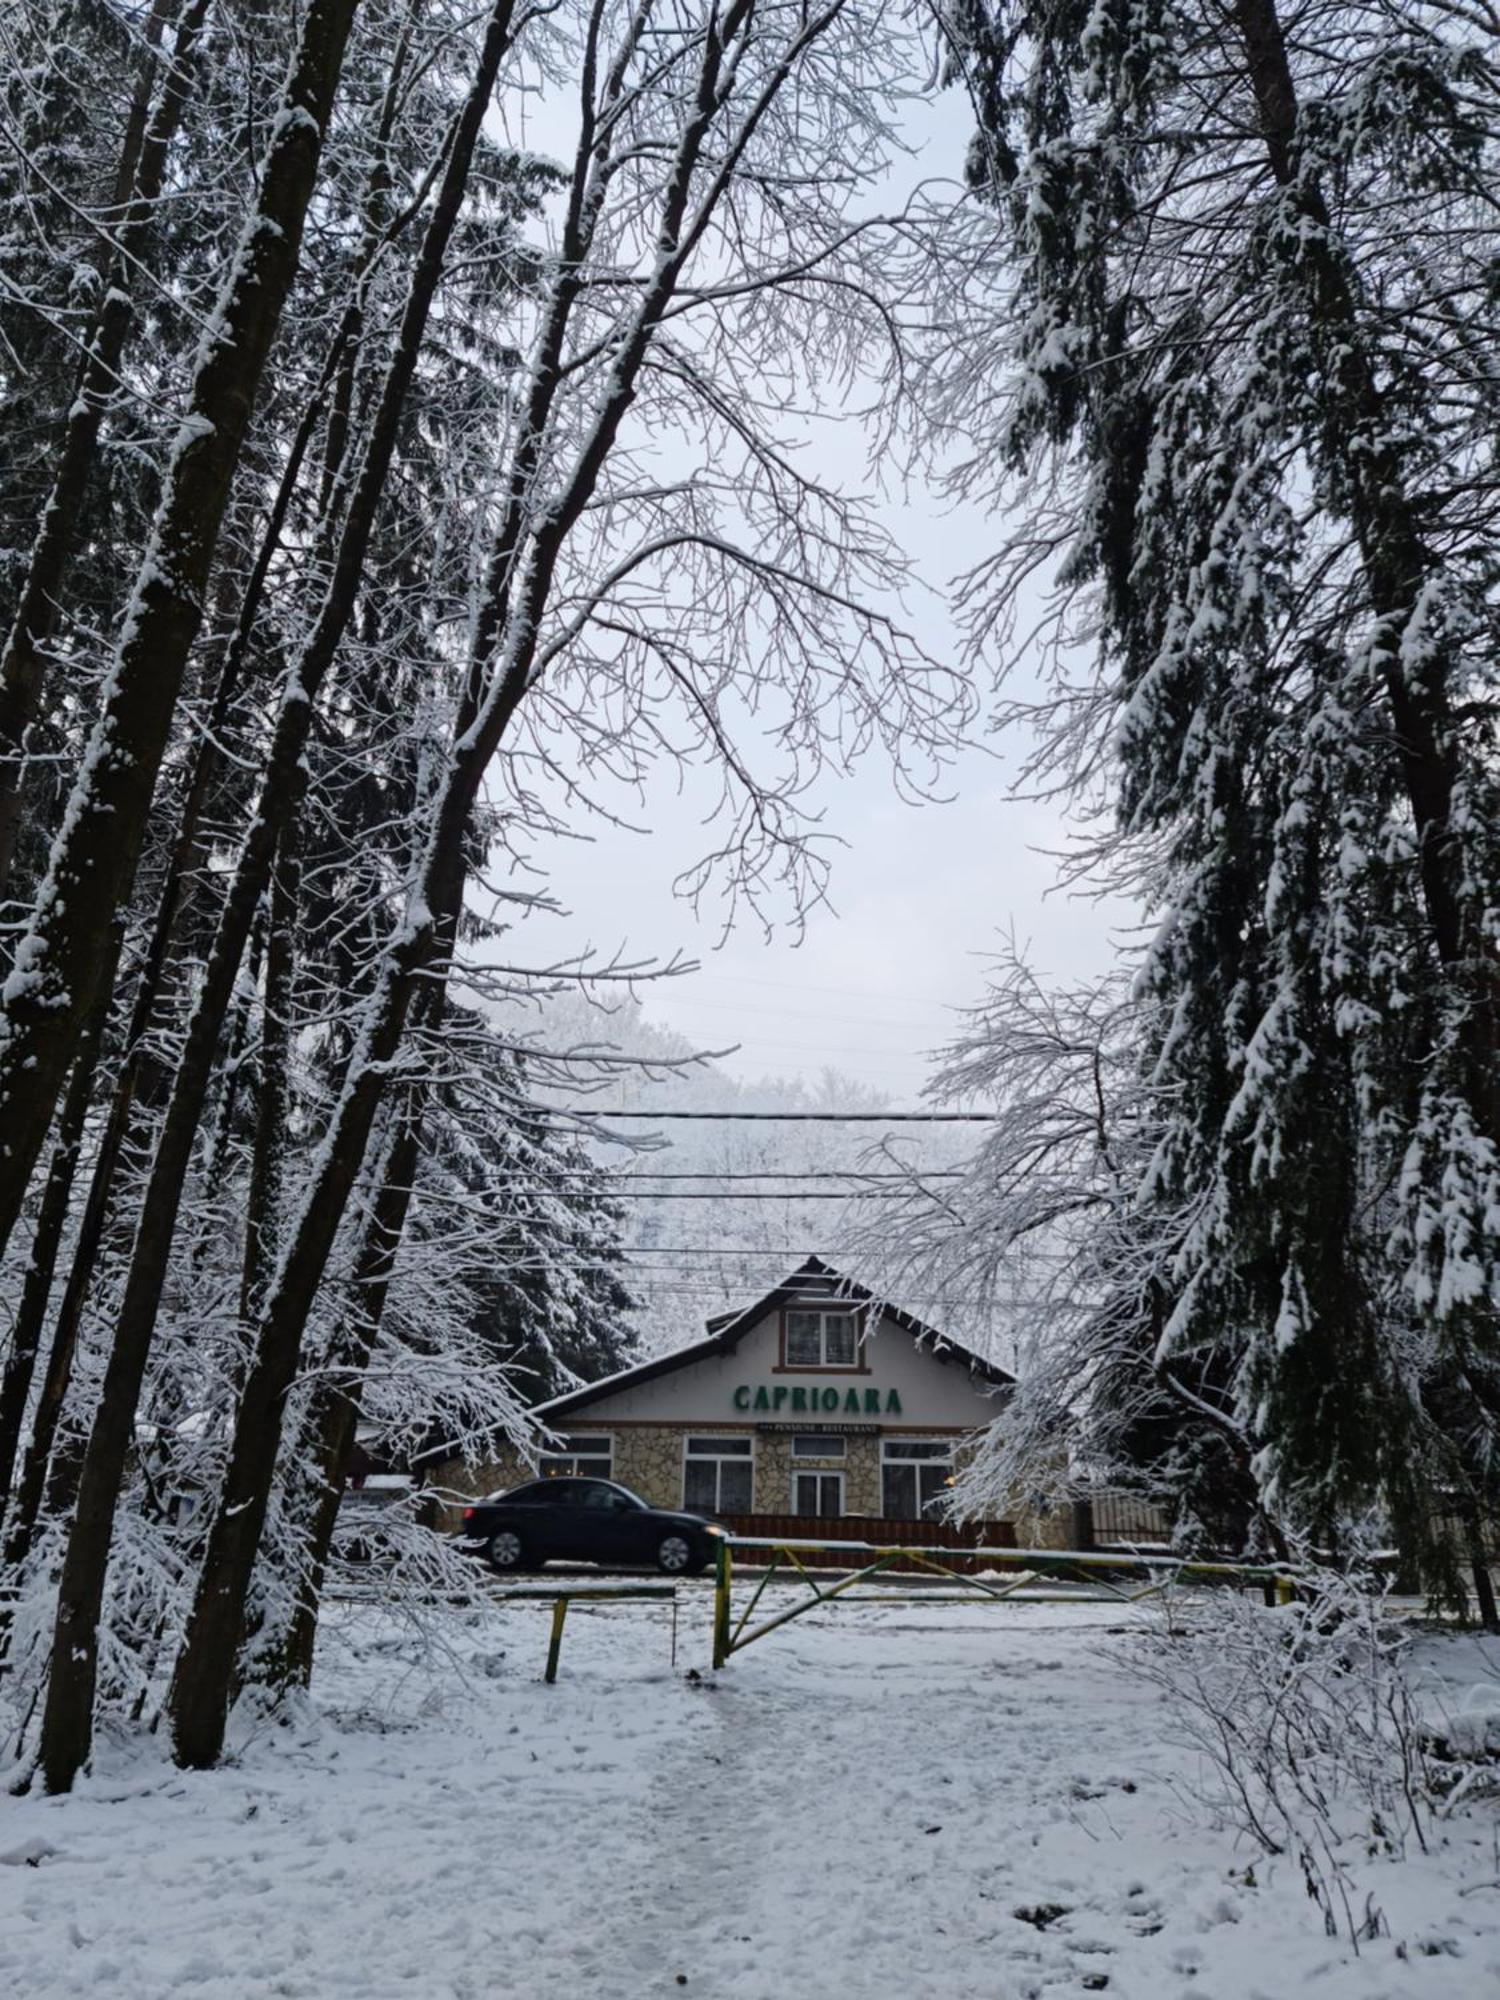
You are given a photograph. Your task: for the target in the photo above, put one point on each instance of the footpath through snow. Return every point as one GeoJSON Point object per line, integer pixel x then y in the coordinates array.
{"type": "Point", "coordinates": [888, 1803]}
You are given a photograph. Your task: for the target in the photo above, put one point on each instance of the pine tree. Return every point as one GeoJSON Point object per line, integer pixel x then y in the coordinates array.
{"type": "Point", "coordinates": [1248, 283]}
{"type": "Point", "coordinates": [554, 1304]}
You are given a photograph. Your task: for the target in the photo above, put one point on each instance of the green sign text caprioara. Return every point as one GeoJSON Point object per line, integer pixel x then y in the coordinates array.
{"type": "Point", "coordinates": [858, 1402]}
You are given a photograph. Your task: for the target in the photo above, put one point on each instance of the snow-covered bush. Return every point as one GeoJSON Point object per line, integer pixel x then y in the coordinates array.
{"type": "Point", "coordinates": [1309, 1731]}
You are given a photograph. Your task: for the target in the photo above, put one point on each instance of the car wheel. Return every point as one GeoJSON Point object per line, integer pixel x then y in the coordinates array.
{"type": "Point", "coordinates": [676, 1555]}
{"type": "Point", "coordinates": [505, 1551]}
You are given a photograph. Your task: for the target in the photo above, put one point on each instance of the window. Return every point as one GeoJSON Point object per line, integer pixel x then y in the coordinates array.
{"type": "Point", "coordinates": [610, 1499]}
{"type": "Point", "coordinates": [533, 1494]}
{"type": "Point", "coordinates": [580, 1457]}
{"type": "Point", "coordinates": [811, 1446]}
{"type": "Point", "coordinates": [915, 1476]}
{"type": "Point", "coordinates": [822, 1339]}
{"type": "Point", "coordinates": [718, 1475]}
{"type": "Point", "coordinates": [817, 1493]}
{"type": "Point", "coordinates": [548, 1493]}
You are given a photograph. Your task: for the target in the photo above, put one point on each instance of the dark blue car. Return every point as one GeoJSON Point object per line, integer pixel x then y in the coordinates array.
{"type": "Point", "coordinates": [585, 1520]}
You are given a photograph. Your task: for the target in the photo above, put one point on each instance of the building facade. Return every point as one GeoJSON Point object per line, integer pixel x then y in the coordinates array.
{"type": "Point", "coordinates": [815, 1403]}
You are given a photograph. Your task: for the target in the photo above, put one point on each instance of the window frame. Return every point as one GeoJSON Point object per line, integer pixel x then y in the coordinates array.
{"type": "Point", "coordinates": [819, 1472]}
{"type": "Point", "coordinates": [899, 1450]}
{"type": "Point", "coordinates": [718, 1459]}
{"type": "Point", "coordinates": [570, 1463]}
{"type": "Point", "coordinates": [857, 1315]}
{"type": "Point", "coordinates": [828, 1445]}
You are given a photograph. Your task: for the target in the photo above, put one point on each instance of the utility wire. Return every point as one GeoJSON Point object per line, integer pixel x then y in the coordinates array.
{"type": "Point", "coordinates": [753, 1194]}
{"type": "Point", "coordinates": [704, 1290]}
{"type": "Point", "coordinates": [799, 1117]}
{"type": "Point", "coordinates": [779, 1251]}
{"type": "Point", "coordinates": [713, 1174]}
{"type": "Point", "coordinates": [633, 1256]}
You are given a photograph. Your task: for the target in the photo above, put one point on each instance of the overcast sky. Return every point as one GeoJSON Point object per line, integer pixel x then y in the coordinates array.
{"type": "Point", "coordinates": [918, 894]}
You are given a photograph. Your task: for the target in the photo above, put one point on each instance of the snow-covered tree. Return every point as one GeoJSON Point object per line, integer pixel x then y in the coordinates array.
{"type": "Point", "coordinates": [551, 1298]}
{"type": "Point", "coordinates": [1227, 361]}
{"type": "Point", "coordinates": [1047, 1225]}
{"type": "Point", "coordinates": [430, 464]}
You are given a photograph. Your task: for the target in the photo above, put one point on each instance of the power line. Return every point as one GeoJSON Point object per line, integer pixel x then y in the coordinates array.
{"type": "Point", "coordinates": [781, 1252]}
{"type": "Point", "coordinates": [800, 1117]}
{"type": "Point", "coordinates": [757, 1194]}
{"type": "Point", "coordinates": [812, 1174]}
{"type": "Point", "coordinates": [714, 1174]}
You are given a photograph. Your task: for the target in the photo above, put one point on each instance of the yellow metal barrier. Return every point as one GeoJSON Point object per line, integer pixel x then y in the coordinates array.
{"type": "Point", "coordinates": [1160, 1572]}
{"type": "Point", "coordinates": [561, 1596]}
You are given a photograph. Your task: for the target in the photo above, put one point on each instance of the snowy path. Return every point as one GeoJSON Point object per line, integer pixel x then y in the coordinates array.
{"type": "Point", "coordinates": [887, 1804]}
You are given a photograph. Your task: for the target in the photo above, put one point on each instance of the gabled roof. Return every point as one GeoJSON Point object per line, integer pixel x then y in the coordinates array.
{"type": "Point", "coordinates": [726, 1330]}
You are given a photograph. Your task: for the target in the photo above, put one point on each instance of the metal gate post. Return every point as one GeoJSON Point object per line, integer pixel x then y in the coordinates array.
{"type": "Point", "coordinates": [559, 1614]}
{"type": "Point", "coordinates": [723, 1562]}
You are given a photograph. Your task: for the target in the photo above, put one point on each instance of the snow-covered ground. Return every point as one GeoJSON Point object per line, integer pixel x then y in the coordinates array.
{"type": "Point", "coordinates": [915, 1803]}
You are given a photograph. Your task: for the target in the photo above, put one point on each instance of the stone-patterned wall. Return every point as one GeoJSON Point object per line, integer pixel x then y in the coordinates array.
{"type": "Point", "coordinates": [860, 1465]}
{"type": "Point", "coordinates": [774, 1464]}
{"type": "Point", "coordinates": [648, 1459]}
{"type": "Point", "coordinates": [773, 1473]}
{"type": "Point", "coordinates": [862, 1476]}
{"type": "Point", "coordinates": [453, 1485]}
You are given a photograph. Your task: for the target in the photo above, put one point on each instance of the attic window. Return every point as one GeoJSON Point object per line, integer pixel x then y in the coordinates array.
{"type": "Point", "coordinates": [816, 1339]}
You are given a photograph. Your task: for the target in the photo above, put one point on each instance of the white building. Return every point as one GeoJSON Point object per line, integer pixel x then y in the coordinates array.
{"type": "Point", "coordinates": [816, 1404]}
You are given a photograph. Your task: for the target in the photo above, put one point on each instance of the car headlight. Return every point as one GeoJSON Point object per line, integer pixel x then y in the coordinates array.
{"type": "Point", "coordinates": [713, 1528]}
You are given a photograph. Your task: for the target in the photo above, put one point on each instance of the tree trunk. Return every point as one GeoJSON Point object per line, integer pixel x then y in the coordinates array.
{"type": "Point", "coordinates": [58, 1377]}
{"type": "Point", "coordinates": [56, 973]}
{"type": "Point", "coordinates": [285, 778]}
{"type": "Point", "coordinates": [94, 858]}
{"type": "Point", "coordinates": [198, 1702]}
{"type": "Point", "coordinates": [105, 1459]}
{"type": "Point", "coordinates": [1479, 1568]}
{"type": "Point", "coordinates": [263, 1201]}
{"type": "Point", "coordinates": [340, 401]}
{"type": "Point", "coordinates": [334, 1416]}
{"type": "Point", "coordinates": [36, 1288]}
{"type": "Point", "coordinates": [201, 1686]}
{"type": "Point", "coordinates": [152, 984]}
{"type": "Point", "coordinates": [22, 665]}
